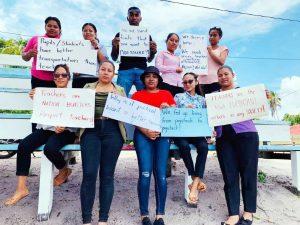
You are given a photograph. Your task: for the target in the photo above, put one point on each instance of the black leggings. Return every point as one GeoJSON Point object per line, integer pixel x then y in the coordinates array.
{"type": "Point", "coordinates": [238, 158]}
{"type": "Point", "coordinates": [53, 143]}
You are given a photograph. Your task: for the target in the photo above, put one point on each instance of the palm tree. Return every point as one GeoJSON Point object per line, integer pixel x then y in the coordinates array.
{"type": "Point", "coordinates": [275, 103]}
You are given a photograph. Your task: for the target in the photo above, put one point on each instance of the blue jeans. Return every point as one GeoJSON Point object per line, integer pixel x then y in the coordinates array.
{"type": "Point", "coordinates": [127, 78]}
{"type": "Point", "coordinates": [152, 156]}
{"type": "Point", "coordinates": [100, 149]}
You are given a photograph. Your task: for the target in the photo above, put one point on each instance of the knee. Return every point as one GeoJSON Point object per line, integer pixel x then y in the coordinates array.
{"type": "Point", "coordinates": [184, 148]}
{"type": "Point", "coordinates": [23, 147]}
{"type": "Point", "coordinates": [202, 147]}
{"type": "Point", "coordinates": [48, 149]}
{"type": "Point", "coordinates": [145, 176]}
{"type": "Point", "coordinates": [89, 176]}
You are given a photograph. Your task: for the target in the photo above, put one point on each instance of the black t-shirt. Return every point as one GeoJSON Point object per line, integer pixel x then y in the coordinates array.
{"type": "Point", "coordinates": [132, 62]}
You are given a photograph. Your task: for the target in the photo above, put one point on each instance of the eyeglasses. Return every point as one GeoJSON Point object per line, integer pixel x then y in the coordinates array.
{"type": "Point", "coordinates": [58, 75]}
{"type": "Point", "coordinates": [187, 82]}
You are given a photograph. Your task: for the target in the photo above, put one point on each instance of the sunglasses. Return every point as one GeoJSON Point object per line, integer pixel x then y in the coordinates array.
{"type": "Point", "coordinates": [58, 75]}
{"type": "Point", "coordinates": [187, 82]}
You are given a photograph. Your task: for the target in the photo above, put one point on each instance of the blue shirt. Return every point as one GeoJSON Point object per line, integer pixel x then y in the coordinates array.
{"type": "Point", "coordinates": [184, 100]}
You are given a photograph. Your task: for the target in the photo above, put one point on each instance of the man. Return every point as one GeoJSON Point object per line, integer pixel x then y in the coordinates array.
{"type": "Point", "coordinates": [131, 68]}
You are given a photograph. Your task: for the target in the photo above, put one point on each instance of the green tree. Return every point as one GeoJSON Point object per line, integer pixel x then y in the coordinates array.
{"type": "Point", "coordinates": [275, 103]}
{"type": "Point", "coordinates": [12, 46]}
{"type": "Point", "coordinates": [293, 119]}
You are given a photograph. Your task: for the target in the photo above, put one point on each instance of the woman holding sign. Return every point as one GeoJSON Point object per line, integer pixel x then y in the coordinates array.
{"type": "Point", "coordinates": [216, 57]}
{"type": "Point", "coordinates": [237, 150]}
{"type": "Point", "coordinates": [169, 65]}
{"type": "Point", "coordinates": [189, 99]}
{"type": "Point", "coordinates": [89, 32]}
{"type": "Point", "coordinates": [54, 139]}
{"type": "Point", "coordinates": [151, 149]}
{"type": "Point", "coordinates": [41, 78]}
{"type": "Point", "coordinates": [100, 148]}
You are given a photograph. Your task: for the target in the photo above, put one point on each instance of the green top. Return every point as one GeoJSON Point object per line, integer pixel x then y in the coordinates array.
{"type": "Point", "coordinates": [100, 100]}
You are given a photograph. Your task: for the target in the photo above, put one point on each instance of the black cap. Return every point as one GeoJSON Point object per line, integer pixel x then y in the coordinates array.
{"type": "Point", "coordinates": [134, 9]}
{"type": "Point", "coordinates": [151, 69]}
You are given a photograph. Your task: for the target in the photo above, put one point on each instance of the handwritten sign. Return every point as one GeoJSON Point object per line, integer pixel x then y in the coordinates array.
{"type": "Point", "coordinates": [237, 105]}
{"type": "Point", "coordinates": [65, 107]}
{"type": "Point", "coordinates": [78, 55]}
{"type": "Point", "coordinates": [132, 112]}
{"type": "Point", "coordinates": [184, 122]}
{"type": "Point", "coordinates": [134, 41]}
{"type": "Point", "coordinates": [194, 53]}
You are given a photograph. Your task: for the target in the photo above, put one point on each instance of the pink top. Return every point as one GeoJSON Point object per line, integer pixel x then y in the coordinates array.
{"type": "Point", "coordinates": [40, 74]}
{"type": "Point", "coordinates": [167, 63]}
{"type": "Point", "coordinates": [213, 67]}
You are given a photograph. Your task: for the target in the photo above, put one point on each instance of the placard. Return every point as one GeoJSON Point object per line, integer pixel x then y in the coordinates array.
{"type": "Point", "coordinates": [193, 56]}
{"type": "Point", "coordinates": [184, 122]}
{"type": "Point", "coordinates": [134, 41]}
{"type": "Point", "coordinates": [66, 107]}
{"type": "Point", "coordinates": [237, 105]}
{"type": "Point", "coordinates": [133, 112]}
{"type": "Point", "coordinates": [78, 55]}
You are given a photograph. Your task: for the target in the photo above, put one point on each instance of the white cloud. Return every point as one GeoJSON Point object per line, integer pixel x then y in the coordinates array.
{"type": "Point", "coordinates": [290, 95]}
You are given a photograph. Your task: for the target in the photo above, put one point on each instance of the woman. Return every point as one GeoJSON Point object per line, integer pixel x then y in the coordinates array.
{"type": "Point", "coordinates": [151, 149]}
{"type": "Point", "coordinates": [237, 151]}
{"type": "Point", "coordinates": [216, 57]}
{"type": "Point", "coordinates": [100, 148]}
{"type": "Point", "coordinates": [89, 32]}
{"type": "Point", "coordinates": [189, 99]}
{"type": "Point", "coordinates": [169, 66]}
{"type": "Point", "coordinates": [41, 78]}
{"type": "Point", "coordinates": [54, 139]}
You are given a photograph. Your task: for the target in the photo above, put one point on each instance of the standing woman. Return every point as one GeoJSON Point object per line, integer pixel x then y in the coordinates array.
{"type": "Point", "coordinates": [217, 55]}
{"type": "Point", "coordinates": [89, 32]}
{"type": "Point", "coordinates": [169, 66]}
{"type": "Point", "coordinates": [100, 148]}
{"type": "Point", "coordinates": [151, 149]}
{"type": "Point", "coordinates": [237, 151]}
{"type": "Point", "coordinates": [41, 78]}
{"type": "Point", "coordinates": [190, 99]}
{"type": "Point", "coordinates": [54, 139]}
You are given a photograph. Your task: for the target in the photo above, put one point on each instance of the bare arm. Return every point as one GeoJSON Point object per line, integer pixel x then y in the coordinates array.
{"type": "Point", "coordinates": [218, 59]}
{"type": "Point", "coordinates": [115, 48]}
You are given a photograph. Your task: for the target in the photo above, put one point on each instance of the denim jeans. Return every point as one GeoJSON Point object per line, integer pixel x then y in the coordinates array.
{"type": "Point", "coordinates": [100, 149]}
{"type": "Point", "coordinates": [152, 156]}
{"type": "Point", "coordinates": [53, 143]}
{"type": "Point", "coordinates": [185, 151]}
{"type": "Point", "coordinates": [127, 78]}
{"type": "Point", "coordinates": [238, 158]}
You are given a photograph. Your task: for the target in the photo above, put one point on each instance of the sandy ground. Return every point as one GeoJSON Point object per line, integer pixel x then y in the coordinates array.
{"type": "Point", "coordinates": [276, 204]}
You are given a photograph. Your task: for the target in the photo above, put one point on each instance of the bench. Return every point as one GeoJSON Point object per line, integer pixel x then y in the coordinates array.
{"type": "Point", "coordinates": [14, 88]}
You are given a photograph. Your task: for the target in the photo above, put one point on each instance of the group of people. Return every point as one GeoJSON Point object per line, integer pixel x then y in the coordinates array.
{"type": "Point", "coordinates": [162, 85]}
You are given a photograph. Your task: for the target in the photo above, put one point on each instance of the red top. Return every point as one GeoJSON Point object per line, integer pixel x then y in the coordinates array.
{"type": "Point", "coordinates": [154, 99]}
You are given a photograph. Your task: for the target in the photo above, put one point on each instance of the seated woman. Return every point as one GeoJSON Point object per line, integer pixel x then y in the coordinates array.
{"type": "Point", "coordinates": [189, 99]}
{"type": "Point", "coordinates": [151, 149]}
{"type": "Point", "coordinates": [54, 139]}
{"type": "Point", "coordinates": [100, 148]}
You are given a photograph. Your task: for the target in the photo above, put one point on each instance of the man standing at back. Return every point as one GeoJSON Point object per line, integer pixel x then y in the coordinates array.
{"type": "Point", "coordinates": [131, 68]}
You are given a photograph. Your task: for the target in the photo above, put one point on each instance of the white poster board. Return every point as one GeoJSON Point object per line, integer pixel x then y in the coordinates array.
{"type": "Point", "coordinates": [134, 41]}
{"type": "Point", "coordinates": [237, 105]}
{"type": "Point", "coordinates": [193, 56]}
{"type": "Point", "coordinates": [65, 107]}
{"type": "Point", "coordinates": [78, 55]}
{"type": "Point", "coordinates": [132, 112]}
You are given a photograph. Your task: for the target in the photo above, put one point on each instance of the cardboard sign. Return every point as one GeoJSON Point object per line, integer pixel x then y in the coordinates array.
{"type": "Point", "coordinates": [78, 55]}
{"type": "Point", "coordinates": [64, 107]}
{"type": "Point", "coordinates": [134, 41]}
{"type": "Point", "coordinates": [194, 53]}
{"type": "Point", "coordinates": [184, 122]}
{"type": "Point", "coordinates": [132, 112]}
{"type": "Point", "coordinates": [237, 105]}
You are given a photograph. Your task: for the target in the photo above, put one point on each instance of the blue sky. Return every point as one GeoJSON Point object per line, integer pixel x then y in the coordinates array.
{"type": "Point", "coordinates": [244, 35]}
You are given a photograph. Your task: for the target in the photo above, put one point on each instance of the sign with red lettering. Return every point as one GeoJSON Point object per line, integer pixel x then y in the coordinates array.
{"type": "Point", "coordinates": [237, 105]}
{"type": "Point", "coordinates": [66, 107]}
